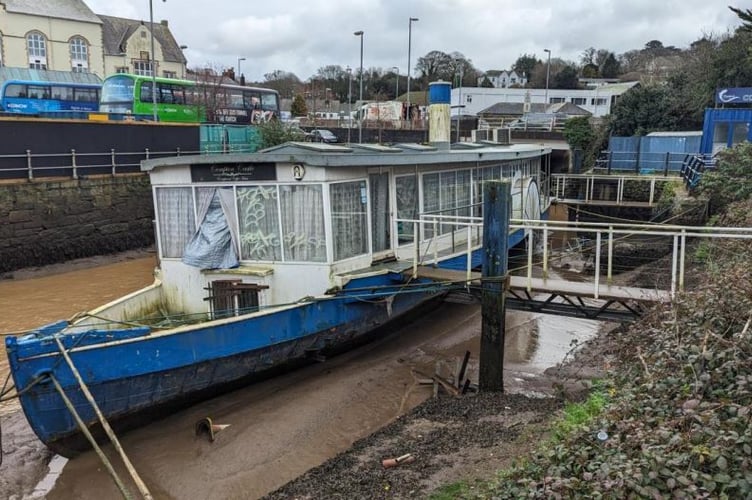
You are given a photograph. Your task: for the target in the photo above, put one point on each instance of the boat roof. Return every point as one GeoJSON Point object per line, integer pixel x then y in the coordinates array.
{"type": "Point", "coordinates": [321, 154]}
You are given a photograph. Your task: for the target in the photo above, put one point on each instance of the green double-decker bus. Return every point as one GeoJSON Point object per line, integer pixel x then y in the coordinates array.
{"type": "Point", "coordinates": [188, 101]}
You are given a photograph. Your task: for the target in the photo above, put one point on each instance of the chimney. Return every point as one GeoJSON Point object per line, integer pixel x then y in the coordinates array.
{"type": "Point", "coordinates": [439, 116]}
{"type": "Point", "coordinates": [163, 22]}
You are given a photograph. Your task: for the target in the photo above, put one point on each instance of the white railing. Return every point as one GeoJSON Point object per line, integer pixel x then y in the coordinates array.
{"type": "Point", "coordinates": [602, 187]}
{"type": "Point", "coordinates": [605, 235]}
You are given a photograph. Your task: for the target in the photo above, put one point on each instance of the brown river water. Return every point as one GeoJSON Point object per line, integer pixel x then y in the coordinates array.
{"type": "Point", "coordinates": [277, 429]}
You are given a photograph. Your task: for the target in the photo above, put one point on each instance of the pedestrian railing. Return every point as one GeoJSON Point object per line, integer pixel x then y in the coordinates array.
{"type": "Point", "coordinates": [599, 240]}
{"type": "Point", "coordinates": [74, 164]}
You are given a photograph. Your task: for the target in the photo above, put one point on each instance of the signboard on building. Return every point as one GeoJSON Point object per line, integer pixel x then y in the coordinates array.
{"type": "Point", "coordinates": [736, 95]}
{"type": "Point", "coordinates": [234, 172]}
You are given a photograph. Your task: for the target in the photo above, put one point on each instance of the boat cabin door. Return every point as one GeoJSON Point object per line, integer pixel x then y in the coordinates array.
{"type": "Point", "coordinates": [381, 238]}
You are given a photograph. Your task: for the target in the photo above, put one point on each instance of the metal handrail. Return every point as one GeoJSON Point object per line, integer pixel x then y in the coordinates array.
{"type": "Point", "coordinates": [74, 164]}
{"type": "Point", "coordinates": [602, 231]}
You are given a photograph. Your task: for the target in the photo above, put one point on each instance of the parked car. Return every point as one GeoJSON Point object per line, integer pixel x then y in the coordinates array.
{"type": "Point", "coordinates": [322, 135]}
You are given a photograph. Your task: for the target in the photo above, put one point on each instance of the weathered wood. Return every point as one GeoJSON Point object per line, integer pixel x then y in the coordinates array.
{"type": "Point", "coordinates": [497, 201]}
{"type": "Point", "coordinates": [463, 368]}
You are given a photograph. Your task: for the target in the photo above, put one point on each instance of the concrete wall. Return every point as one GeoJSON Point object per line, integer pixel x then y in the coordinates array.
{"type": "Point", "coordinates": [47, 222]}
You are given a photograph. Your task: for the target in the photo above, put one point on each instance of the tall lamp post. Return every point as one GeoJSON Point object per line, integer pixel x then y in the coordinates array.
{"type": "Point", "coordinates": [349, 103]}
{"type": "Point", "coordinates": [239, 59]}
{"type": "Point", "coordinates": [548, 73]}
{"type": "Point", "coordinates": [396, 85]}
{"type": "Point", "coordinates": [360, 118]}
{"type": "Point", "coordinates": [409, 46]}
{"type": "Point", "coordinates": [153, 65]}
{"type": "Point", "coordinates": [459, 99]}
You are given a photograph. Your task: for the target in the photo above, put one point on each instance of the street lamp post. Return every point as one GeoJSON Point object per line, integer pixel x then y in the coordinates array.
{"type": "Point", "coordinates": [349, 103]}
{"type": "Point", "coordinates": [396, 85]}
{"type": "Point", "coordinates": [459, 99]}
{"type": "Point", "coordinates": [548, 73]}
{"type": "Point", "coordinates": [153, 66]}
{"type": "Point", "coordinates": [238, 75]}
{"type": "Point", "coordinates": [360, 118]}
{"type": "Point", "coordinates": [409, 46]}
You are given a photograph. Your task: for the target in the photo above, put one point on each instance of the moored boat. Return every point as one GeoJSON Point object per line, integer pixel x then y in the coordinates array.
{"type": "Point", "coordinates": [266, 260]}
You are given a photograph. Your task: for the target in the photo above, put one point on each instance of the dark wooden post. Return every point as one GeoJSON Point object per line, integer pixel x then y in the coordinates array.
{"type": "Point", "coordinates": [497, 201]}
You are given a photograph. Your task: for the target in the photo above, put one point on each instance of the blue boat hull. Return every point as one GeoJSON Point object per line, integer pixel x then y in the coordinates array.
{"type": "Point", "coordinates": [157, 372]}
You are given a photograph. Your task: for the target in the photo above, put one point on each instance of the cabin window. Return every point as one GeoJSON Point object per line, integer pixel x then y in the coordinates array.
{"type": "Point", "coordinates": [303, 236]}
{"type": "Point", "coordinates": [258, 216]}
{"type": "Point", "coordinates": [175, 218]}
{"type": "Point", "coordinates": [349, 203]}
{"type": "Point", "coordinates": [407, 207]}
{"type": "Point", "coordinates": [446, 193]}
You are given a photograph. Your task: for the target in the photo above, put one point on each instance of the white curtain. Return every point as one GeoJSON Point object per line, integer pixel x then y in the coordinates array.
{"type": "Point", "coordinates": [380, 218]}
{"type": "Point", "coordinates": [175, 220]}
{"type": "Point", "coordinates": [303, 232]}
{"type": "Point", "coordinates": [349, 219]}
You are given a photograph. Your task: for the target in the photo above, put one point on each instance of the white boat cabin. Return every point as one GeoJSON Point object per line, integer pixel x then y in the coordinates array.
{"type": "Point", "coordinates": [299, 219]}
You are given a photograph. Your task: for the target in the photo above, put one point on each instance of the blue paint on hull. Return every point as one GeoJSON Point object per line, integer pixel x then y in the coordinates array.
{"type": "Point", "coordinates": [170, 369]}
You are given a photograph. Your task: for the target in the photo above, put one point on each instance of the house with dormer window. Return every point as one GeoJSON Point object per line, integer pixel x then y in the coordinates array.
{"type": "Point", "coordinates": [503, 79]}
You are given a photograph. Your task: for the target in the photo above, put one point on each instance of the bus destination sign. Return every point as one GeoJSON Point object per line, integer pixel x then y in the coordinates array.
{"type": "Point", "coordinates": [234, 172]}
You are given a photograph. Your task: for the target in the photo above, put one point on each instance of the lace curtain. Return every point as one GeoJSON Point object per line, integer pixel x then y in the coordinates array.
{"type": "Point", "coordinates": [259, 223]}
{"type": "Point", "coordinates": [349, 219]}
{"type": "Point", "coordinates": [407, 207]}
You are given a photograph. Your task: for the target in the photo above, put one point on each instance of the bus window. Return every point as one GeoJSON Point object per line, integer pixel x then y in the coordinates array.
{"type": "Point", "coordinates": [65, 93]}
{"type": "Point", "coordinates": [15, 90]}
{"type": "Point", "coordinates": [165, 94]}
{"type": "Point", "coordinates": [146, 92]}
{"type": "Point", "coordinates": [39, 92]}
{"type": "Point", "coordinates": [86, 95]}
{"type": "Point", "coordinates": [236, 99]}
{"type": "Point", "coordinates": [269, 102]}
{"type": "Point", "coordinates": [118, 89]}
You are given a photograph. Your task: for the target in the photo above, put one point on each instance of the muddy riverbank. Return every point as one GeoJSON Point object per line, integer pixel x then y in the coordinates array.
{"type": "Point", "coordinates": [282, 428]}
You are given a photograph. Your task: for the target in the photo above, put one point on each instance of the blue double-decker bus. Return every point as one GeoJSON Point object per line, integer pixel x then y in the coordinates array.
{"type": "Point", "coordinates": [36, 97]}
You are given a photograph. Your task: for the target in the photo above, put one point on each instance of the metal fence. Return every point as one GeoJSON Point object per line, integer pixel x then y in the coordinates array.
{"type": "Point", "coordinates": [73, 164]}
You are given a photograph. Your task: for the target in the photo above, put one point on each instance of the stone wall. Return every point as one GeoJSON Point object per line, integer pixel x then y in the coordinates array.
{"type": "Point", "coordinates": [45, 222]}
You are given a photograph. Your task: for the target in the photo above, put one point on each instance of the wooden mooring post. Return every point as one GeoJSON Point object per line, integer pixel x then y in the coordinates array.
{"type": "Point", "coordinates": [497, 202]}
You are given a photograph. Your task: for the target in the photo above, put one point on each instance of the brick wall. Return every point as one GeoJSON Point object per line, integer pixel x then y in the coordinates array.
{"type": "Point", "coordinates": [45, 222]}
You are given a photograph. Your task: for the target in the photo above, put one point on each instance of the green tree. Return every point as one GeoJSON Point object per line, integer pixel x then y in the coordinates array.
{"type": "Point", "coordinates": [579, 133]}
{"type": "Point", "coordinates": [526, 63]}
{"type": "Point", "coordinates": [298, 106]}
{"type": "Point", "coordinates": [610, 67]}
{"type": "Point", "coordinates": [641, 110]}
{"type": "Point", "coordinates": [566, 79]}
{"type": "Point", "coordinates": [436, 65]}
{"type": "Point", "coordinates": [745, 16]}
{"type": "Point", "coordinates": [275, 132]}
{"type": "Point", "coordinates": [731, 180]}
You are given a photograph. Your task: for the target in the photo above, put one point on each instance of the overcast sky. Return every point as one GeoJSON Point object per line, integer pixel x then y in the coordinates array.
{"type": "Point", "coordinates": [302, 36]}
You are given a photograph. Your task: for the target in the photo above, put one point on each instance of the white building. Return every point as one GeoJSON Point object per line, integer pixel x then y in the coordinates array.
{"type": "Point", "coordinates": [598, 101]}
{"type": "Point", "coordinates": [65, 35]}
{"type": "Point", "coordinates": [503, 79]}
